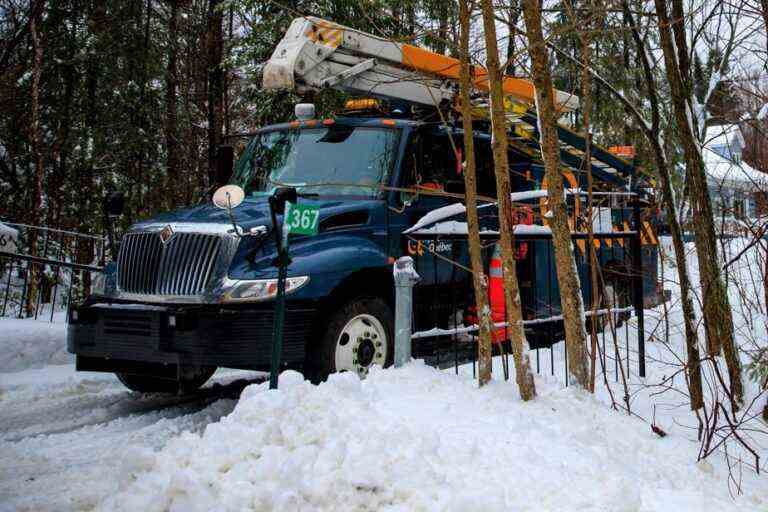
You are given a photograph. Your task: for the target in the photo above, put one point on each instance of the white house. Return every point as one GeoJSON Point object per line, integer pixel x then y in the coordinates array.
{"type": "Point", "coordinates": [737, 190]}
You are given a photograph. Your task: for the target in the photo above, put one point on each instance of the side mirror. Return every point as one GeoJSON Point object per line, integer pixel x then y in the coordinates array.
{"type": "Point", "coordinates": [114, 204]}
{"type": "Point", "coordinates": [225, 157]}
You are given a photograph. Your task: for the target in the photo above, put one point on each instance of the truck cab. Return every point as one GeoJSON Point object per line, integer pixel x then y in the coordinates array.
{"type": "Point", "coordinates": [194, 289]}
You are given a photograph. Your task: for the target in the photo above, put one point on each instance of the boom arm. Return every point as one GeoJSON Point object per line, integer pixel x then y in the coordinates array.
{"type": "Point", "coordinates": [317, 53]}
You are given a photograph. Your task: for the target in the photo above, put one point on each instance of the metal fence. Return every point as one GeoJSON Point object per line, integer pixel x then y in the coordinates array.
{"type": "Point", "coordinates": [48, 270]}
{"type": "Point", "coordinates": [446, 340]}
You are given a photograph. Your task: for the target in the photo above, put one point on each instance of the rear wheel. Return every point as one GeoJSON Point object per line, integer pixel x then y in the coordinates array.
{"type": "Point", "coordinates": [192, 380]}
{"type": "Point", "coordinates": [358, 336]}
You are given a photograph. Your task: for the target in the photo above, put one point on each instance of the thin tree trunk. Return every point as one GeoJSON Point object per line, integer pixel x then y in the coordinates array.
{"type": "Point", "coordinates": [718, 322]}
{"type": "Point", "coordinates": [584, 26]}
{"type": "Point", "coordinates": [693, 367]}
{"type": "Point", "coordinates": [514, 16]}
{"type": "Point", "coordinates": [171, 101]}
{"type": "Point", "coordinates": [442, 29]}
{"type": "Point", "coordinates": [524, 376]}
{"type": "Point", "coordinates": [470, 181]}
{"type": "Point", "coordinates": [215, 85]}
{"type": "Point", "coordinates": [37, 153]}
{"type": "Point", "coordinates": [567, 277]}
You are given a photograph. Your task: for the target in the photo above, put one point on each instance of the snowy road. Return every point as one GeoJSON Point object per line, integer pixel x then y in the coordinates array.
{"type": "Point", "coordinates": [66, 438]}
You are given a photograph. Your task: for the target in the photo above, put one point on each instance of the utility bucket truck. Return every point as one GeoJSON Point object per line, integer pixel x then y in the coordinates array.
{"type": "Point", "coordinates": [194, 289]}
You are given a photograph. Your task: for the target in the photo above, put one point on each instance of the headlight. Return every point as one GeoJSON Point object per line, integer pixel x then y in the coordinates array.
{"type": "Point", "coordinates": [260, 289]}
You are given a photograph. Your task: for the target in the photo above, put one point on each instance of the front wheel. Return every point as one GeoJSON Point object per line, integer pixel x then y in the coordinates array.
{"type": "Point", "coordinates": [358, 336]}
{"type": "Point", "coordinates": [189, 382]}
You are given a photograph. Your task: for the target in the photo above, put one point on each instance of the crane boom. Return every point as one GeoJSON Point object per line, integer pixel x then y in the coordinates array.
{"type": "Point", "coordinates": [317, 53]}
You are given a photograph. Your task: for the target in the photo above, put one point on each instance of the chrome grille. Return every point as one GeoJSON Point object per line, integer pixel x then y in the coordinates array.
{"type": "Point", "coordinates": [182, 266]}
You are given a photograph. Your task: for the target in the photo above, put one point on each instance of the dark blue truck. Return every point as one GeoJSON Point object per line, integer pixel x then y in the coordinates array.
{"type": "Point", "coordinates": [193, 290]}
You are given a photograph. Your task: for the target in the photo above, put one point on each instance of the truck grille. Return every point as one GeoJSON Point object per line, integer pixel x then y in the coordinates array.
{"type": "Point", "coordinates": [181, 266]}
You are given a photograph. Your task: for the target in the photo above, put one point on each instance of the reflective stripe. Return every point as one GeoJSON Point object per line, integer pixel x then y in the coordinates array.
{"type": "Point", "coordinates": [325, 35]}
{"type": "Point", "coordinates": [620, 241]}
{"type": "Point", "coordinates": [648, 236]}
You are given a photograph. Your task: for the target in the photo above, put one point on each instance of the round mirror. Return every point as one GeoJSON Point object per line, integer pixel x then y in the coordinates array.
{"type": "Point", "coordinates": [228, 196]}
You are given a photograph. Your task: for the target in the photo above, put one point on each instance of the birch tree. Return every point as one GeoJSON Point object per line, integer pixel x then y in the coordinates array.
{"type": "Point", "coordinates": [523, 373]}
{"type": "Point", "coordinates": [567, 277]}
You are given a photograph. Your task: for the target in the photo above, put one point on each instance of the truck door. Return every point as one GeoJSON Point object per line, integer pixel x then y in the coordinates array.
{"type": "Point", "coordinates": [429, 167]}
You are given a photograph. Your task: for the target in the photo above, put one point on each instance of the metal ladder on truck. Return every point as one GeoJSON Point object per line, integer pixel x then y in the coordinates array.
{"type": "Point", "coordinates": [316, 54]}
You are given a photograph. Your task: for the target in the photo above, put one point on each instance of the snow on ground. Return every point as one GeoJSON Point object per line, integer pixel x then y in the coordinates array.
{"type": "Point", "coordinates": [420, 439]}
{"type": "Point", "coordinates": [411, 438]}
{"type": "Point", "coordinates": [30, 343]}
{"type": "Point", "coordinates": [67, 438]}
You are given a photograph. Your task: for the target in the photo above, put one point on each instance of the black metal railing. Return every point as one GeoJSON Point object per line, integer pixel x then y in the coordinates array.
{"type": "Point", "coordinates": [49, 269]}
{"type": "Point", "coordinates": [445, 335]}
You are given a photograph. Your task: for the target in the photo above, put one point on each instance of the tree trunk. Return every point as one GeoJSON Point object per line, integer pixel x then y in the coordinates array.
{"type": "Point", "coordinates": [442, 28]}
{"type": "Point", "coordinates": [171, 100]}
{"type": "Point", "coordinates": [215, 85]}
{"type": "Point", "coordinates": [718, 322]}
{"type": "Point", "coordinates": [567, 277]}
{"type": "Point", "coordinates": [478, 275]}
{"type": "Point", "coordinates": [523, 373]}
{"type": "Point", "coordinates": [37, 155]}
{"type": "Point", "coordinates": [693, 366]}
{"type": "Point", "coordinates": [514, 16]}
{"type": "Point", "coordinates": [584, 26]}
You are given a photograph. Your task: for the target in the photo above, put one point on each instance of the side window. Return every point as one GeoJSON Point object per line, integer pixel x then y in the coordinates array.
{"type": "Point", "coordinates": [438, 163]}
{"type": "Point", "coordinates": [432, 163]}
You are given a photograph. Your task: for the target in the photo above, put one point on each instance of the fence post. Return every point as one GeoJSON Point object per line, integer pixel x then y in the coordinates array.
{"type": "Point", "coordinates": [638, 285]}
{"type": "Point", "coordinates": [405, 278]}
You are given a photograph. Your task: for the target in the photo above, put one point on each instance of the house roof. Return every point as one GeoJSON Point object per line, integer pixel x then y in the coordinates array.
{"type": "Point", "coordinates": [726, 168]}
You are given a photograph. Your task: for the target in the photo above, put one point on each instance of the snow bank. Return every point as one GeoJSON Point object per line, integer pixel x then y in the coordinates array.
{"type": "Point", "coordinates": [8, 230]}
{"type": "Point", "coordinates": [29, 343]}
{"type": "Point", "coordinates": [416, 438]}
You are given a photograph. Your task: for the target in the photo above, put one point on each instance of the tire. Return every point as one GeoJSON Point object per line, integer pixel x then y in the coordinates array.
{"type": "Point", "coordinates": [352, 340]}
{"type": "Point", "coordinates": [148, 384]}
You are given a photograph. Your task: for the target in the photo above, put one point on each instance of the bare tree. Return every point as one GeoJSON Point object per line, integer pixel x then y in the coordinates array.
{"type": "Point", "coordinates": [718, 322]}
{"type": "Point", "coordinates": [524, 376]}
{"type": "Point", "coordinates": [651, 130]}
{"type": "Point", "coordinates": [567, 277]}
{"type": "Point", "coordinates": [470, 182]}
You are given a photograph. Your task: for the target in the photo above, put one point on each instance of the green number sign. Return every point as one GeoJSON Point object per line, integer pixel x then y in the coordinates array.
{"type": "Point", "coordinates": [301, 219]}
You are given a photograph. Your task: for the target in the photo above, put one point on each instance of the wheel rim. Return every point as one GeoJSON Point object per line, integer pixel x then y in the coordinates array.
{"type": "Point", "coordinates": [361, 344]}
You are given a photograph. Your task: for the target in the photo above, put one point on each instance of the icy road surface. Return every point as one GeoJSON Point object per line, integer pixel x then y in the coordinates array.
{"type": "Point", "coordinates": [66, 439]}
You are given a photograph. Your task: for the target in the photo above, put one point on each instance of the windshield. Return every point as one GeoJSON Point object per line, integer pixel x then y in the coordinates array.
{"type": "Point", "coordinates": [335, 160]}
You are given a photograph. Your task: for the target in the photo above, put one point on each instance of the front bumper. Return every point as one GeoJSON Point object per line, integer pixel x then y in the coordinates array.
{"type": "Point", "coordinates": [187, 335]}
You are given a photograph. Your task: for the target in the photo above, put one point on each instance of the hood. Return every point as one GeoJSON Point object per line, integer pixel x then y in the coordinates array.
{"type": "Point", "coordinates": [251, 213]}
